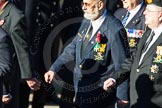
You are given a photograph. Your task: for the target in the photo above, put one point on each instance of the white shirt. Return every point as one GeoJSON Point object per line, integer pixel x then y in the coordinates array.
{"type": "Point", "coordinates": [97, 23]}
{"type": "Point", "coordinates": [133, 13]}
{"type": "Point", "coordinates": [157, 31]}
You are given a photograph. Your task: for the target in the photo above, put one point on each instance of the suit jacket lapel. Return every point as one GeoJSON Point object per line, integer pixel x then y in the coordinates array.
{"type": "Point", "coordinates": [136, 18]}
{"type": "Point", "coordinates": [141, 44]}
{"type": "Point", "coordinates": [82, 32]}
{"type": "Point", "coordinates": [152, 48]}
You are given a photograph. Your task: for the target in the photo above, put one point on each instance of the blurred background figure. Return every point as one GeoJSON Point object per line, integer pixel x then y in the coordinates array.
{"type": "Point", "coordinates": [12, 21]}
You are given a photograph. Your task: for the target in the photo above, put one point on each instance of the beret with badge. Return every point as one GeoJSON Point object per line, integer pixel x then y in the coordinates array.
{"type": "Point", "coordinates": [155, 2]}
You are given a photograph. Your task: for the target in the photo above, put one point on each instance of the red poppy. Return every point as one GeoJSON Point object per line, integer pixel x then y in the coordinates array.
{"type": "Point", "coordinates": [98, 38]}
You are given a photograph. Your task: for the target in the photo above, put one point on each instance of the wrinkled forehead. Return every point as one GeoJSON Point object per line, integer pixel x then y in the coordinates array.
{"type": "Point", "coordinates": [89, 1]}
{"type": "Point", "coordinates": [153, 7]}
{"type": "Point", "coordinates": [133, 0]}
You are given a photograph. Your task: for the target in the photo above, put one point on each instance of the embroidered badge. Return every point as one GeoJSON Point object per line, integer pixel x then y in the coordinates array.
{"type": "Point", "coordinates": [99, 56]}
{"type": "Point", "coordinates": [1, 22]}
{"type": "Point", "coordinates": [102, 48]}
{"type": "Point", "coordinates": [99, 48]}
{"type": "Point", "coordinates": [158, 58]}
{"type": "Point", "coordinates": [159, 50]}
{"type": "Point", "coordinates": [132, 43]}
{"type": "Point", "coordinates": [154, 69]}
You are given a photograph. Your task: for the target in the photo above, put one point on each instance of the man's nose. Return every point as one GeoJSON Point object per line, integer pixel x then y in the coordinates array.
{"type": "Point", "coordinates": [84, 7]}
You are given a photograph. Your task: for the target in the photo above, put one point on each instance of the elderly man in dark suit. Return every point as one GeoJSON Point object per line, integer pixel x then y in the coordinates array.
{"type": "Point", "coordinates": [5, 60]}
{"type": "Point", "coordinates": [97, 49]}
{"type": "Point", "coordinates": [132, 18]}
{"type": "Point", "coordinates": [145, 76]}
{"type": "Point", "coordinates": [12, 21]}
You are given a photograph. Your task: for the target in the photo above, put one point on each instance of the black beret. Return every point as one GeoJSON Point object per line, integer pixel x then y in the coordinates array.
{"type": "Point", "coordinates": [155, 2]}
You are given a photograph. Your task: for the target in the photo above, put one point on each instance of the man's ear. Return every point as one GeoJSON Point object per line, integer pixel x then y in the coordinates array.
{"type": "Point", "coordinates": [160, 16]}
{"type": "Point", "coordinates": [100, 5]}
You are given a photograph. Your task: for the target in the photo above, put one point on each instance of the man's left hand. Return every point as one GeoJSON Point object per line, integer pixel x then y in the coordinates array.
{"type": "Point", "coordinates": [33, 83]}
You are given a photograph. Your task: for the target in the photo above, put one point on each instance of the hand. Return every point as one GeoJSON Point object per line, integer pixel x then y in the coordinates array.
{"type": "Point", "coordinates": [49, 76]}
{"type": "Point", "coordinates": [108, 84]}
{"type": "Point", "coordinates": [6, 98]}
{"type": "Point", "coordinates": [33, 83]}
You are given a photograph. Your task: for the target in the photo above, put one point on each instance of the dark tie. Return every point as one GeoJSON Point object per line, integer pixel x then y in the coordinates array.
{"type": "Point", "coordinates": [148, 42]}
{"type": "Point", "coordinates": [86, 39]}
{"type": "Point", "coordinates": [125, 18]}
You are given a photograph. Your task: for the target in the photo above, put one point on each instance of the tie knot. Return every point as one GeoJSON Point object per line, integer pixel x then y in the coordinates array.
{"type": "Point", "coordinates": [151, 36]}
{"type": "Point", "coordinates": [89, 31]}
{"type": "Point", "coordinates": [125, 18]}
{"type": "Point", "coordinates": [128, 13]}
{"type": "Point", "coordinates": [148, 41]}
{"type": "Point", "coordinates": [152, 33]}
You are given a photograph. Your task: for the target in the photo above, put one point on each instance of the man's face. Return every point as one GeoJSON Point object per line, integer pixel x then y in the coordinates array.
{"type": "Point", "coordinates": [90, 8]}
{"type": "Point", "coordinates": [152, 14]}
{"type": "Point", "coordinates": [130, 4]}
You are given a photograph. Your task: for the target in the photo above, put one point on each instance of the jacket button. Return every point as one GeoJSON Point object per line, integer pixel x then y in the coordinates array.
{"type": "Point", "coordinates": [80, 66]}
{"type": "Point", "coordinates": [137, 70]}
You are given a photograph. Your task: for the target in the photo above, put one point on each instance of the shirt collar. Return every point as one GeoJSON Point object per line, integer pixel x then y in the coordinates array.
{"type": "Point", "coordinates": [135, 10]}
{"type": "Point", "coordinates": [158, 30]}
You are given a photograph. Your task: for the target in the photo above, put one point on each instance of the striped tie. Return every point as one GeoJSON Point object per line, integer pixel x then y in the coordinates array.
{"type": "Point", "coordinates": [148, 42]}
{"type": "Point", "coordinates": [125, 18]}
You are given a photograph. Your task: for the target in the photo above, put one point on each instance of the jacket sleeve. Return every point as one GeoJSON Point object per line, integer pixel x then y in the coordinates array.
{"type": "Point", "coordinates": [21, 46]}
{"type": "Point", "coordinates": [68, 55]}
{"type": "Point", "coordinates": [5, 54]}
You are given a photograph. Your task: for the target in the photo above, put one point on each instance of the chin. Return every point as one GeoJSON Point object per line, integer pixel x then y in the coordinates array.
{"type": "Point", "coordinates": [89, 17]}
{"type": "Point", "coordinates": [125, 6]}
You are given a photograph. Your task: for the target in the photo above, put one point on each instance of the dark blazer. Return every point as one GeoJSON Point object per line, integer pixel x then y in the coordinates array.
{"type": "Point", "coordinates": [136, 23]}
{"type": "Point", "coordinates": [14, 26]}
{"type": "Point", "coordinates": [5, 54]}
{"type": "Point", "coordinates": [135, 28]}
{"type": "Point", "coordinates": [5, 59]}
{"type": "Point", "coordinates": [146, 78]}
{"type": "Point", "coordinates": [88, 70]}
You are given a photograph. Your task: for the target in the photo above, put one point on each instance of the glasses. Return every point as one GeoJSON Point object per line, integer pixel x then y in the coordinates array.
{"type": "Point", "coordinates": [88, 4]}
